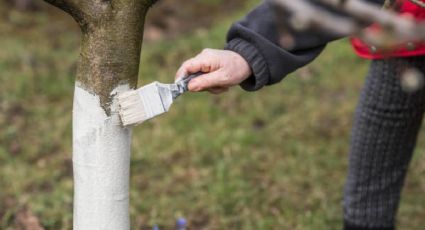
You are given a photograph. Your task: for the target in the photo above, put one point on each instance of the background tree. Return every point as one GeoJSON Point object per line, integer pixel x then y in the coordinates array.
{"type": "Point", "coordinates": [25, 5]}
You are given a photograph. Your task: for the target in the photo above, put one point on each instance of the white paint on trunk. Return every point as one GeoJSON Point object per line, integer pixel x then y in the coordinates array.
{"type": "Point", "coordinates": [101, 161]}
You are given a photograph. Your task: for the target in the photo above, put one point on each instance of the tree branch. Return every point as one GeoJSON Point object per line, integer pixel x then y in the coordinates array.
{"type": "Point", "coordinates": [401, 28]}
{"type": "Point", "coordinates": [73, 8]}
{"type": "Point", "coordinates": [395, 29]}
{"type": "Point", "coordinates": [306, 15]}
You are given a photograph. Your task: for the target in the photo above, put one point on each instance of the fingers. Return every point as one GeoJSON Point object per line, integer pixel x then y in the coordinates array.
{"type": "Point", "coordinates": [205, 62]}
{"type": "Point", "coordinates": [222, 69]}
{"type": "Point", "coordinates": [208, 81]}
{"type": "Point", "coordinates": [218, 90]}
{"type": "Point", "coordinates": [193, 65]}
{"type": "Point", "coordinates": [182, 71]}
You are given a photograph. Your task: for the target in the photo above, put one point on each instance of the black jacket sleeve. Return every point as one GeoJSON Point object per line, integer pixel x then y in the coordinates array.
{"type": "Point", "coordinates": [256, 39]}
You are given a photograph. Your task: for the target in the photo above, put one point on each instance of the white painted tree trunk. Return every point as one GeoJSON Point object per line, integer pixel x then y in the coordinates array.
{"type": "Point", "coordinates": [101, 161]}
{"type": "Point", "coordinates": [112, 33]}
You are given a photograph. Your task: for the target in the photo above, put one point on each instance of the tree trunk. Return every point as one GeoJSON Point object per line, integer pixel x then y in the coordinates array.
{"type": "Point", "coordinates": [109, 62]}
{"type": "Point", "coordinates": [24, 5]}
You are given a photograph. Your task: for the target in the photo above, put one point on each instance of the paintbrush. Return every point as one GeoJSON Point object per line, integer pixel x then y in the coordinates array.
{"type": "Point", "coordinates": [149, 101]}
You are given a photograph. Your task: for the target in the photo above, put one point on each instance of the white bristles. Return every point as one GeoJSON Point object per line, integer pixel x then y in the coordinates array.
{"type": "Point", "coordinates": [132, 109]}
{"type": "Point", "coordinates": [149, 101]}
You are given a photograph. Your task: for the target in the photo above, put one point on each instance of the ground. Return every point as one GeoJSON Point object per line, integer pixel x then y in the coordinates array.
{"type": "Point", "coordinates": [275, 159]}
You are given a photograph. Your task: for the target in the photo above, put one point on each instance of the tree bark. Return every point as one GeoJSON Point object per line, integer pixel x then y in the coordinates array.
{"type": "Point", "coordinates": [112, 32]}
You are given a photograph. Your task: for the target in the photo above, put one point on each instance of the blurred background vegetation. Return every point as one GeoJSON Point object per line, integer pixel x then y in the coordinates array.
{"type": "Point", "coordinates": [275, 159]}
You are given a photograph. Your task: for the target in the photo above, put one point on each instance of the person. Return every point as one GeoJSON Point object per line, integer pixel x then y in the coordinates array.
{"type": "Point", "coordinates": [386, 122]}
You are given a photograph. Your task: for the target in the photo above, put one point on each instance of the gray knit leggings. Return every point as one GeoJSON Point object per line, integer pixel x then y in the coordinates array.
{"type": "Point", "coordinates": [386, 125]}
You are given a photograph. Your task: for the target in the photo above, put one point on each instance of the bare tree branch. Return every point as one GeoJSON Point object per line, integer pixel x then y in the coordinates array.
{"type": "Point", "coordinates": [73, 8]}
{"type": "Point", "coordinates": [401, 28]}
{"type": "Point", "coordinates": [419, 3]}
{"type": "Point", "coordinates": [306, 15]}
{"type": "Point", "coordinates": [395, 29]}
{"type": "Point", "coordinates": [65, 5]}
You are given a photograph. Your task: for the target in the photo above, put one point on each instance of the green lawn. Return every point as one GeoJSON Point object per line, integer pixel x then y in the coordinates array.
{"type": "Point", "coordinates": [275, 159]}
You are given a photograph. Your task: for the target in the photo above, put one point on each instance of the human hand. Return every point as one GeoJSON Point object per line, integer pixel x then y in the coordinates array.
{"type": "Point", "coordinates": [222, 68]}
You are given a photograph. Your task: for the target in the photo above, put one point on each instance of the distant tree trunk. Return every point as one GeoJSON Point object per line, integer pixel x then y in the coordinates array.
{"type": "Point", "coordinates": [112, 32]}
{"type": "Point", "coordinates": [24, 5]}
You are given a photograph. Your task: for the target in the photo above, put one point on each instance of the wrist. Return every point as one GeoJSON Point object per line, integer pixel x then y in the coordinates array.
{"type": "Point", "coordinates": [258, 73]}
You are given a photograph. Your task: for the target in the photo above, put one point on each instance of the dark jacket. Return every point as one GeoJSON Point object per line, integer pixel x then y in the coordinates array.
{"type": "Point", "coordinates": [256, 37]}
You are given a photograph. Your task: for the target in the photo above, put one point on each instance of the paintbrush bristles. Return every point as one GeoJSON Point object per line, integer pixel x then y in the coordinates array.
{"type": "Point", "coordinates": [132, 109]}
{"type": "Point", "coordinates": [145, 103]}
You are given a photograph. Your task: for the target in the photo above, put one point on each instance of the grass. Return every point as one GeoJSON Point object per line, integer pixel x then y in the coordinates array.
{"type": "Point", "coordinates": [275, 159]}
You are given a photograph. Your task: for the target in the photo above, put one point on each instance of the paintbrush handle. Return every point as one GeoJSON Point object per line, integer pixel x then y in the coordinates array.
{"type": "Point", "coordinates": [180, 87]}
{"type": "Point", "coordinates": [185, 81]}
